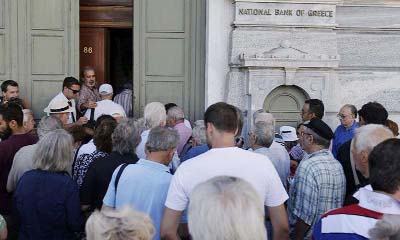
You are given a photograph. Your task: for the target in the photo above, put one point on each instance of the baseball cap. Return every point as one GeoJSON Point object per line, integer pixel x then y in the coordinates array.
{"type": "Point", "coordinates": [60, 106]}
{"type": "Point", "coordinates": [288, 133]}
{"type": "Point", "coordinates": [320, 128]}
{"type": "Point", "coordinates": [105, 89]}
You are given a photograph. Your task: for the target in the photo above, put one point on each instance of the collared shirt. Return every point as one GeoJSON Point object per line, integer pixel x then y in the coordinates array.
{"type": "Point", "coordinates": [184, 135]}
{"type": "Point", "coordinates": [87, 94]}
{"type": "Point", "coordinates": [341, 136]}
{"type": "Point", "coordinates": [125, 100]}
{"type": "Point", "coordinates": [281, 162]}
{"type": "Point", "coordinates": [195, 151]}
{"type": "Point", "coordinates": [144, 186]}
{"type": "Point", "coordinates": [8, 149]}
{"type": "Point", "coordinates": [353, 222]}
{"type": "Point", "coordinates": [318, 186]}
{"type": "Point", "coordinates": [71, 102]}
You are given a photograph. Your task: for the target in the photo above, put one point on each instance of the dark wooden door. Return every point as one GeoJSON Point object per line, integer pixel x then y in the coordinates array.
{"type": "Point", "coordinates": [93, 51]}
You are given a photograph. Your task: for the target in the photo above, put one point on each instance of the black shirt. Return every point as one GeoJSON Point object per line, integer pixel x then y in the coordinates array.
{"type": "Point", "coordinates": [98, 177]}
{"type": "Point", "coordinates": [344, 158]}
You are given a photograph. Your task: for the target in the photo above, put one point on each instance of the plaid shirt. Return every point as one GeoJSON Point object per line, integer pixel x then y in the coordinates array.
{"type": "Point", "coordinates": [318, 186]}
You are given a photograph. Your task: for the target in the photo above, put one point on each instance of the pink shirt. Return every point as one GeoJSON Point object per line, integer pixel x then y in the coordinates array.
{"type": "Point", "coordinates": [184, 135]}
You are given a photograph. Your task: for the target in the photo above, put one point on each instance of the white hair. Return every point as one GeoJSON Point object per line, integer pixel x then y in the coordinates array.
{"type": "Point", "coordinates": [199, 132]}
{"type": "Point", "coordinates": [176, 113]}
{"type": "Point", "coordinates": [124, 224]}
{"type": "Point", "coordinates": [225, 208]}
{"type": "Point", "coordinates": [264, 133]}
{"type": "Point", "coordinates": [154, 114]}
{"type": "Point", "coordinates": [264, 117]}
{"type": "Point", "coordinates": [48, 124]}
{"type": "Point", "coordinates": [370, 135]}
{"type": "Point", "coordinates": [388, 228]}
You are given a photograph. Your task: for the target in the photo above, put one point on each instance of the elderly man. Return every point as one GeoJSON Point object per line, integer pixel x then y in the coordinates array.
{"type": "Point", "coordinates": [175, 120]}
{"type": "Point", "coordinates": [23, 160]}
{"type": "Point", "coordinates": [144, 185]}
{"type": "Point", "coordinates": [29, 120]}
{"type": "Point", "coordinates": [233, 210]}
{"type": "Point", "coordinates": [224, 158]}
{"type": "Point", "coordinates": [89, 94]}
{"type": "Point", "coordinates": [319, 184]}
{"type": "Point", "coordinates": [345, 131]}
{"type": "Point", "coordinates": [106, 105]}
{"type": "Point", "coordinates": [125, 138]}
{"type": "Point", "coordinates": [261, 138]}
{"type": "Point", "coordinates": [69, 93]}
{"type": "Point", "coordinates": [199, 141]}
{"type": "Point", "coordinates": [381, 197]}
{"type": "Point", "coordinates": [59, 109]}
{"type": "Point", "coordinates": [370, 113]}
{"type": "Point", "coordinates": [10, 90]}
{"type": "Point", "coordinates": [312, 108]}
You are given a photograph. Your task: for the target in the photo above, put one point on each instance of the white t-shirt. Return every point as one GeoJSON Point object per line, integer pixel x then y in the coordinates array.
{"type": "Point", "coordinates": [87, 148]}
{"type": "Point", "coordinates": [107, 107]}
{"type": "Point", "coordinates": [254, 168]}
{"type": "Point", "coordinates": [61, 96]}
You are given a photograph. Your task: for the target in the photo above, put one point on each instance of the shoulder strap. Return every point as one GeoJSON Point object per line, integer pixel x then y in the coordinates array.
{"type": "Point", "coordinates": [92, 114]}
{"type": "Point", "coordinates": [75, 157]}
{"type": "Point", "coordinates": [122, 168]}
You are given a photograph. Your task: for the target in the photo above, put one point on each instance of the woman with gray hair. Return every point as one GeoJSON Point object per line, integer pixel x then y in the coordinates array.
{"type": "Point", "coordinates": [125, 138]}
{"type": "Point", "coordinates": [199, 141]}
{"type": "Point", "coordinates": [225, 208]}
{"type": "Point", "coordinates": [123, 224]}
{"type": "Point", "coordinates": [46, 199]}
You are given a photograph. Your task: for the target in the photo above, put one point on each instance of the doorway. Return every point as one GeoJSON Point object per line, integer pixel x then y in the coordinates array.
{"type": "Point", "coordinates": [285, 104]}
{"type": "Point", "coordinates": [106, 40]}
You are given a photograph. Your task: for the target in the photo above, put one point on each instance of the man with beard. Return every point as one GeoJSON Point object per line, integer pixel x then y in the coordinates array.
{"type": "Point", "coordinates": [89, 94]}
{"type": "Point", "coordinates": [14, 137]}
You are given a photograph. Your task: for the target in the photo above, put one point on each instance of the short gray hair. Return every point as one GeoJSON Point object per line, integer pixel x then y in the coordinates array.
{"type": "Point", "coordinates": [265, 117]}
{"type": "Point", "coordinates": [154, 114]}
{"type": "Point", "coordinates": [264, 133]}
{"type": "Point", "coordinates": [126, 136]}
{"type": "Point", "coordinates": [54, 152]}
{"type": "Point", "coordinates": [176, 113]}
{"type": "Point", "coordinates": [388, 228]}
{"type": "Point", "coordinates": [162, 139]}
{"type": "Point", "coordinates": [123, 224]}
{"type": "Point", "coordinates": [317, 139]}
{"type": "Point", "coordinates": [226, 208]}
{"type": "Point", "coordinates": [48, 124]}
{"type": "Point", "coordinates": [199, 132]}
{"type": "Point", "coordinates": [368, 136]}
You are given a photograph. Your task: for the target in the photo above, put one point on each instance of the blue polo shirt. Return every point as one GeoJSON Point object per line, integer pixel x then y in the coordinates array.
{"type": "Point", "coordinates": [144, 186]}
{"type": "Point", "coordinates": [341, 136]}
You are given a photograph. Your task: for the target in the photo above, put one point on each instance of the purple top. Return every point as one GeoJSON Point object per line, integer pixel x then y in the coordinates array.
{"type": "Point", "coordinates": [8, 149]}
{"type": "Point", "coordinates": [184, 135]}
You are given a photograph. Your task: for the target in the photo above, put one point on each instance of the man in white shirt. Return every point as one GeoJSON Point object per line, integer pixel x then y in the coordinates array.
{"type": "Point", "coordinates": [69, 93]}
{"type": "Point", "coordinates": [225, 159]}
{"type": "Point", "coordinates": [106, 106]}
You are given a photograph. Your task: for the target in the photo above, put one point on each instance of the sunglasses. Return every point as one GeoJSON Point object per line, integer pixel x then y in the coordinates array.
{"type": "Point", "coordinates": [74, 91]}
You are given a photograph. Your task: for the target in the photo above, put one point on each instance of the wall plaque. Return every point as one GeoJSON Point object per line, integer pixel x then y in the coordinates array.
{"type": "Point", "coordinates": [284, 14]}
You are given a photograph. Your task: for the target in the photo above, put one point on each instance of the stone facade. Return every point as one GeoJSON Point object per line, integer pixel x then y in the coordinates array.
{"type": "Point", "coordinates": [338, 51]}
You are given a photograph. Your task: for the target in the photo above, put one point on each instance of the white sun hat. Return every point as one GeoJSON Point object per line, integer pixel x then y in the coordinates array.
{"type": "Point", "coordinates": [288, 133]}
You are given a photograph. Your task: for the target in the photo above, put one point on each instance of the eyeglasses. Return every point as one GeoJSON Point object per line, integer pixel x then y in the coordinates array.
{"type": "Point", "coordinates": [302, 133]}
{"type": "Point", "coordinates": [342, 116]}
{"type": "Point", "coordinates": [74, 91]}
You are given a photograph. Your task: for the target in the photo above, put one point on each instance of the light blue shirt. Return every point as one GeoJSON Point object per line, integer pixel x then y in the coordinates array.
{"type": "Point", "coordinates": [144, 186]}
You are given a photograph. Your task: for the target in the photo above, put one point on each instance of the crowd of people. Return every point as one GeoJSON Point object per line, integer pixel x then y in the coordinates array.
{"type": "Point", "coordinates": [91, 171]}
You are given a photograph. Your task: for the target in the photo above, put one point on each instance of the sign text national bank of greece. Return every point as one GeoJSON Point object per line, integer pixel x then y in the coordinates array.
{"type": "Point", "coordinates": [285, 12]}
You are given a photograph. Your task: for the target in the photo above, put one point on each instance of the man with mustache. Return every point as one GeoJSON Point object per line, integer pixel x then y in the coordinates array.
{"type": "Point", "coordinates": [88, 95]}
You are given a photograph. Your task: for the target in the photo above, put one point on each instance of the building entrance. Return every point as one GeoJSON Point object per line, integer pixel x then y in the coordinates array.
{"type": "Point", "coordinates": [285, 103]}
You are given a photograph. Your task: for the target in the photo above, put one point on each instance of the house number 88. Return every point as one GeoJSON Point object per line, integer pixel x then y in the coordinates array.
{"type": "Point", "coordinates": [88, 50]}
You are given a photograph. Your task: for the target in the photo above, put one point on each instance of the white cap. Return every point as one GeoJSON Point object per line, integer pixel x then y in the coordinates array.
{"type": "Point", "coordinates": [58, 106]}
{"type": "Point", "coordinates": [105, 89]}
{"type": "Point", "coordinates": [288, 133]}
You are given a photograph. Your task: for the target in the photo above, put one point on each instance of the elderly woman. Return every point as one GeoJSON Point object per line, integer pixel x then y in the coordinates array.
{"type": "Point", "coordinates": [124, 224]}
{"type": "Point", "coordinates": [102, 141]}
{"type": "Point", "coordinates": [225, 208]}
{"type": "Point", "coordinates": [125, 139]}
{"type": "Point", "coordinates": [46, 199]}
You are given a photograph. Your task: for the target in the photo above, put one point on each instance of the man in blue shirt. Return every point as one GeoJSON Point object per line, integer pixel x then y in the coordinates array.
{"type": "Point", "coordinates": [345, 131]}
{"type": "Point", "coordinates": [144, 185]}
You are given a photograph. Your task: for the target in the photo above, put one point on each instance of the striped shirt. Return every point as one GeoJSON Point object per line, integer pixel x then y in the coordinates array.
{"type": "Point", "coordinates": [125, 100]}
{"type": "Point", "coordinates": [353, 222]}
{"type": "Point", "coordinates": [318, 186]}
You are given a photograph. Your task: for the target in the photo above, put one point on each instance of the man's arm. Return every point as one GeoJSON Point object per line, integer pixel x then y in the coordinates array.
{"type": "Point", "coordinates": [279, 222]}
{"type": "Point", "coordinates": [170, 224]}
{"type": "Point", "coordinates": [300, 230]}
